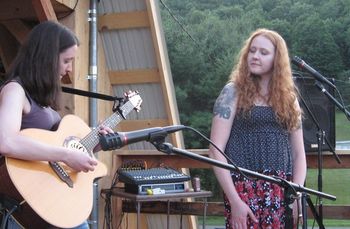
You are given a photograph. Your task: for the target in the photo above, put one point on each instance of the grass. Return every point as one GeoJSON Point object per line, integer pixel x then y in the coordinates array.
{"type": "Point", "coordinates": [212, 220]}
{"type": "Point", "coordinates": [342, 127]}
{"type": "Point", "coordinates": [334, 182]}
{"type": "Point", "coordinates": [220, 221]}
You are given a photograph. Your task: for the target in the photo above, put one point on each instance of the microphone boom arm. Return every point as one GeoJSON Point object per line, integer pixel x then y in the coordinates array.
{"type": "Point", "coordinates": [301, 64]}
{"type": "Point", "coordinates": [169, 149]}
{"type": "Point", "coordinates": [334, 100]}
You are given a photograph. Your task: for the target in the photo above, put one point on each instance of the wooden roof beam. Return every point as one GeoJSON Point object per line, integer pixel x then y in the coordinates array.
{"type": "Point", "coordinates": [44, 10]}
{"type": "Point", "coordinates": [17, 28]}
{"type": "Point", "coordinates": [16, 9]}
{"type": "Point", "coordinates": [8, 47]}
{"type": "Point", "coordinates": [134, 76]}
{"type": "Point", "coordinates": [64, 5]}
{"type": "Point", "coordinates": [125, 20]}
{"type": "Point", "coordinates": [24, 9]}
{"type": "Point", "coordinates": [130, 125]}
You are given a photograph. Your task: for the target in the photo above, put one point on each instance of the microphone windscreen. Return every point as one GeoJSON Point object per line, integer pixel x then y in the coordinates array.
{"type": "Point", "coordinates": [109, 141]}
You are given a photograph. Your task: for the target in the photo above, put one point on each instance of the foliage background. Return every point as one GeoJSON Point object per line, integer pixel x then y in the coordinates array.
{"type": "Point", "coordinates": [204, 37]}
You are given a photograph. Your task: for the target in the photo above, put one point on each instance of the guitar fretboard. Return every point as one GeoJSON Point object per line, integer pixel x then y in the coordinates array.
{"type": "Point", "coordinates": [91, 140]}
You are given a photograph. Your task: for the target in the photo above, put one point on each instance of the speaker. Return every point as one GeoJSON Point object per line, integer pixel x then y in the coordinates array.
{"type": "Point", "coordinates": [322, 109]}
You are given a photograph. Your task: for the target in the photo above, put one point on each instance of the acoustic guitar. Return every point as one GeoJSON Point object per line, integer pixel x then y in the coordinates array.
{"type": "Point", "coordinates": [50, 193]}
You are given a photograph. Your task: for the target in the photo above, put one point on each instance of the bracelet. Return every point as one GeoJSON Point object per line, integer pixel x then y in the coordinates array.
{"type": "Point", "coordinates": [300, 215]}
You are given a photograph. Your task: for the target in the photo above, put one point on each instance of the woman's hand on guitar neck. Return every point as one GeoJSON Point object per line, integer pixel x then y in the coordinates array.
{"type": "Point", "coordinates": [102, 130]}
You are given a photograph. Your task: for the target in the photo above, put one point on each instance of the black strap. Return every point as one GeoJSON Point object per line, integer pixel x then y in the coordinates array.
{"type": "Point", "coordinates": [90, 94]}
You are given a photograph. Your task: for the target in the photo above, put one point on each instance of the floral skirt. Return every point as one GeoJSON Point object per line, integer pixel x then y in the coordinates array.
{"type": "Point", "coordinates": [265, 199]}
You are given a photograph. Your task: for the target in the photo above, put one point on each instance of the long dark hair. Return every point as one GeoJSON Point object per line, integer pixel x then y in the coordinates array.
{"type": "Point", "coordinates": [36, 64]}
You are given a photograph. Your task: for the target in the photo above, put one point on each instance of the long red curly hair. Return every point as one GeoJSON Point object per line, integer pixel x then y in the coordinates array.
{"type": "Point", "coordinates": [282, 96]}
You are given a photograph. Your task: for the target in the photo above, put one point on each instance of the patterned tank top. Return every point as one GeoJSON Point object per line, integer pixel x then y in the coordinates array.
{"type": "Point", "coordinates": [259, 142]}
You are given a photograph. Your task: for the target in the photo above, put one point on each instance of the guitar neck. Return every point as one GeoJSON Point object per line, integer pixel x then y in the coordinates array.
{"type": "Point", "coordinates": [92, 139]}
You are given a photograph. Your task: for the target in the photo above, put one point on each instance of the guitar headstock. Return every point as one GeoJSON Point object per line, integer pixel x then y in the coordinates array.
{"type": "Point", "coordinates": [134, 98]}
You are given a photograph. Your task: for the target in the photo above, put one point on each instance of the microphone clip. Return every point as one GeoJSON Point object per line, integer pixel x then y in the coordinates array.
{"type": "Point", "coordinates": [157, 138]}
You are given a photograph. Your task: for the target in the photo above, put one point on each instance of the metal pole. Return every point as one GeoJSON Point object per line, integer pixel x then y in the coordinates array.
{"type": "Point", "coordinates": [92, 77]}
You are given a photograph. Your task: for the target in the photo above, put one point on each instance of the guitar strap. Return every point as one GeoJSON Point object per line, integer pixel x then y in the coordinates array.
{"type": "Point", "coordinates": [95, 95]}
{"type": "Point", "coordinates": [90, 94]}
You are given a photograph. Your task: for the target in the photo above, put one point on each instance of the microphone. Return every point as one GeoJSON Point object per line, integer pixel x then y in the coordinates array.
{"type": "Point", "coordinates": [117, 140]}
{"type": "Point", "coordinates": [300, 63]}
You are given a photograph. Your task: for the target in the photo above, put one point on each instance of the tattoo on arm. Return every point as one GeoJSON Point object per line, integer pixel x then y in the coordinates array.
{"type": "Point", "coordinates": [223, 104]}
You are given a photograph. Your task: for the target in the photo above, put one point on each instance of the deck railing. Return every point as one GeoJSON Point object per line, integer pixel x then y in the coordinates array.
{"type": "Point", "coordinates": [154, 158]}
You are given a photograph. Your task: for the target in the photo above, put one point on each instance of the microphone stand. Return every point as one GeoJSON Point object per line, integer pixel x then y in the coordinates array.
{"type": "Point", "coordinates": [336, 102]}
{"type": "Point", "coordinates": [290, 188]}
{"type": "Point", "coordinates": [321, 139]}
{"type": "Point", "coordinates": [331, 98]}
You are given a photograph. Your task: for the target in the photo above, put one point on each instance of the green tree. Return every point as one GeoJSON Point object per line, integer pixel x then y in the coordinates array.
{"type": "Point", "coordinates": [204, 40]}
{"type": "Point", "coordinates": [314, 39]}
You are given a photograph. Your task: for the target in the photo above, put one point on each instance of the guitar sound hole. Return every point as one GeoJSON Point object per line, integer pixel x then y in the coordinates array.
{"type": "Point", "coordinates": [74, 143]}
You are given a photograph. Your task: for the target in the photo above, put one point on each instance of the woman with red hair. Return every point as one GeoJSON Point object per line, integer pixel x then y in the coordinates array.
{"type": "Point", "coordinates": [257, 123]}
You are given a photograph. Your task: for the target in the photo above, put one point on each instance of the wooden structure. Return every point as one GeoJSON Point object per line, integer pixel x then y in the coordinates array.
{"type": "Point", "coordinates": [132, 55]}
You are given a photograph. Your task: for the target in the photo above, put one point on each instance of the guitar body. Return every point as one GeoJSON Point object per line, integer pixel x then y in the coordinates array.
{"type": "Point", "coordinates": [45, 194]}
{"type": "Point", "coordinates": [25, 216]}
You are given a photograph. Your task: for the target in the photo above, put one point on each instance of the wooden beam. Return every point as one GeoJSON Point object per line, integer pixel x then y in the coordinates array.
{"type": "Point", "coordinates": [63, 8]}
{"type": "Point", "coordinates": [150, 157]}
{"type": "Point", "coordinates": [124, 20]}
{"type": "Point", "coordinates": [8, 47]}
{"type": "Point", "coordinates": [17, 28]}
{"type": "Point", "coordinates": [328, 160]}
{"type": "Point", "coordinates": [129, 125]}
{"type": "Point", "coordinates": [176, 207]}
{"type": "Point", "coordinates": [134, 76]}
{"type": "Point", "coordinates": [23, 9]}
{"type": "Point", "coordinates": [217, 209]}
{"type": "Point", "coordinates": [44, 10]}
{"type": "Point", "coordinates": [162, 59]}
{"type": "Point", "coordinates": [16, 9]}
{"type": "Point", "coordinates": [63, 5]}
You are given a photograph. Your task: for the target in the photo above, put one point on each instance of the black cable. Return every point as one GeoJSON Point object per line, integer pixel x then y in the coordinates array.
{"type": "Point", "coordinates": [108, 216]}
{"type": "Point", "coordinates": [7, 216]}
{"type": "Point", "coordinates": [336, 90]}
{"type": "Point", "coordinates": [342, 101]}
{"type": "Point", "coordinates": [213, 59]}
{"type": "Point", "coordinates": [107, 221]}
{"type": "Point", "coordinates": [180, 24]}
{"type": "Point", "coordinates": [121, 220]}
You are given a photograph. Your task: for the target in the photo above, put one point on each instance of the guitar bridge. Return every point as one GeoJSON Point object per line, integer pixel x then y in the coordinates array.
{"type": "Point", "coordinates": [61, 173]}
